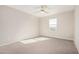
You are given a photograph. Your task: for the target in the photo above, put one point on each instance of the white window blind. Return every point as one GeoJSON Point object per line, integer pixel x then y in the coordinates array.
{"type": "Point", "coordinates": [53, 24]}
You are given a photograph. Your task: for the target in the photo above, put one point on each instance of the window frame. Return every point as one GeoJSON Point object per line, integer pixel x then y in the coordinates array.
{"type": "Point", "coordinates": [54, 24]}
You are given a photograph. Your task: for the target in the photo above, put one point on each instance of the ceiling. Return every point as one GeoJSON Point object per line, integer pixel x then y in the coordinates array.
{"type": "Point", "coordinates": [35, 9]}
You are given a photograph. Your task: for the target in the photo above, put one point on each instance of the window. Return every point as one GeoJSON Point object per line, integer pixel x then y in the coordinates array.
{"type": "Point", "coordinates": [53, 24]}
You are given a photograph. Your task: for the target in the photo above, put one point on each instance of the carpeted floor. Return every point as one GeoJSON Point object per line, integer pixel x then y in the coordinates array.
{"type": "Point", "coordinates": [41, 46]}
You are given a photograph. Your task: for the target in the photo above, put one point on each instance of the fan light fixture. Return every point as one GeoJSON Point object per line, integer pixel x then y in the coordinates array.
{"type": "Point", "coordinates": [43, 9]}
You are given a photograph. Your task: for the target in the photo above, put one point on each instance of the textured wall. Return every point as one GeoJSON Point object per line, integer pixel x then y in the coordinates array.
{"type": "Point", "coordinates": [65, 26]}
{"type": "Point", "coordinates": [16, 25]}
{"type": "Point", "coordinates": [77, 27]}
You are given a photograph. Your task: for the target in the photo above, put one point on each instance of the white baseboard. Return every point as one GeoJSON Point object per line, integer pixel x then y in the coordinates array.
{"type": "Point", "coordinates": [58, 37]}
{"type": "Point", "coordinates": [17, 40]}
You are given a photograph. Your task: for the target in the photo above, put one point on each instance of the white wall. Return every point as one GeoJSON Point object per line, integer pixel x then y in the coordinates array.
{"type": "Point", "coordinates": [16, 25]}
{"type": "Point", "coordinates": [77, 27]}
{"type": "Point", "coordinates": [65, 26]}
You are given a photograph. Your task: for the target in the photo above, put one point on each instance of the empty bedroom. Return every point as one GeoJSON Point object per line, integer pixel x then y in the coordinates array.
{"type": "Point", "coordinates": [39, 29]}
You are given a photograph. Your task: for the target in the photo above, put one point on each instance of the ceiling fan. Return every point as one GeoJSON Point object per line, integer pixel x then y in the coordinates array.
{"type": "Point", "coordinates": [43, 9]}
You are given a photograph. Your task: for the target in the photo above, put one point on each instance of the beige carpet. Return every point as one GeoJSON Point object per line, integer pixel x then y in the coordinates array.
{"type": "Point", "coordinates": [48, 46]}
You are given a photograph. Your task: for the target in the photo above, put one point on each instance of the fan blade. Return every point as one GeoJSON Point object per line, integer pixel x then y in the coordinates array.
{"type": "Point", "coordinates": [45, 11]}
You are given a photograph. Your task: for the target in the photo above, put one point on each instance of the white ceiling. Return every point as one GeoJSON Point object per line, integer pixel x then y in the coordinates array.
{"type": "Point", "coordinates": [35, 9]}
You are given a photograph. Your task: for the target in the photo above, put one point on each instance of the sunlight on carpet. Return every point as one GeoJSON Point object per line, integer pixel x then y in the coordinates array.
{"type": "Point", "coordinates": [28, 41]}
